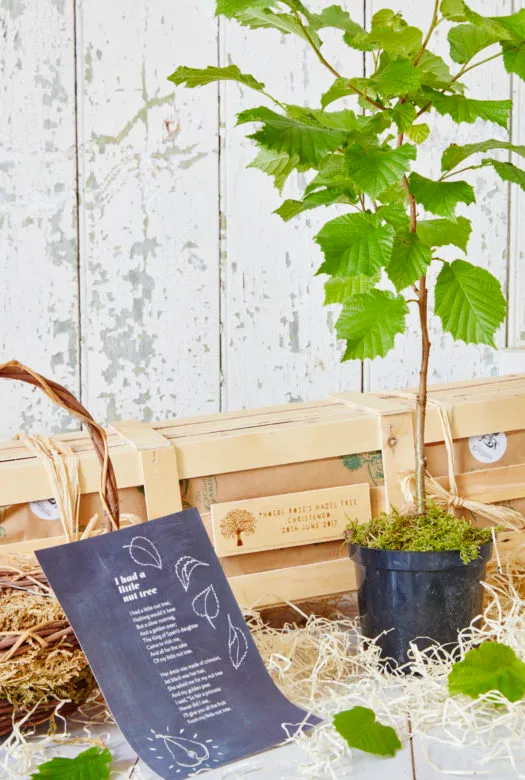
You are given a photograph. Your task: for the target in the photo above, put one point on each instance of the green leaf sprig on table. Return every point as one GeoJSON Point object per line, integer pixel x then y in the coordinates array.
{"type": "Point", "coordinates": [363, 156]}
{"type": "Point", "coordinates": [490, 667]}
{"type": "Point", "coordinates": [92, 764]}
{"type": "Point", "coordinates": [361, 730]}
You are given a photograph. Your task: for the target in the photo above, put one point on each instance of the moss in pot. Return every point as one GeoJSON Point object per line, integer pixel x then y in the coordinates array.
{"type": "Point", "coordinates": [418, 577]}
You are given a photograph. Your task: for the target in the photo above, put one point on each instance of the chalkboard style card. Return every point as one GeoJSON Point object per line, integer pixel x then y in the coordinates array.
{"type": "Point", "coordinates": [169, 646]}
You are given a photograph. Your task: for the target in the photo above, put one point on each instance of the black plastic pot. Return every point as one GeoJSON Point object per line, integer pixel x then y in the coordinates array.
{"type": "Point", "coordinates": [423, 596]}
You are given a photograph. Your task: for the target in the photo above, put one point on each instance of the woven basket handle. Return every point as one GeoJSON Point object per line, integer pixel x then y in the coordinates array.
{"type": "Point", "coordinates": [62, 397]}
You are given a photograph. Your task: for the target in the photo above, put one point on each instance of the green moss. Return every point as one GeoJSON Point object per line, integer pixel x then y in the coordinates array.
{"type": "Point", "coordinates": [436, 530]}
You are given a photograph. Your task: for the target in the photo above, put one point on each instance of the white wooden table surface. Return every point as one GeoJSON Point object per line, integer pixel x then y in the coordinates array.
{"type": "Point", "coordinates": [290, 762]}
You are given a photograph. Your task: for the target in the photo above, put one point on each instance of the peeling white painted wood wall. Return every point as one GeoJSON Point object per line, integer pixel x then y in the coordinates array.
{"type": "Point", "coordinates": [141, 263]}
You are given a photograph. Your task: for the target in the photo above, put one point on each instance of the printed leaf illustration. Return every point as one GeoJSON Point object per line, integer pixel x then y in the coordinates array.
{"type": "Point", "coordinates": [184, 568]}
{"type": "Point", "coordinates": [206, 604]}
{"type": "Point", "coordinates": [489, 667]}
{"type": "Point", "coordinates": [143, 552]}
{"type": "Point", "coordinates": [184, 752]}
{"type": "Point", "coordinates": [91, 764]}
{"type": "Point", "coordinates": [237, 644]}
{"type": "Point", "coordinates": [361, 730]}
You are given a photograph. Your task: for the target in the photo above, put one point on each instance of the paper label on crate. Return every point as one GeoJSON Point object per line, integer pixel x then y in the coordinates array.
{"type": "Point", "coordinates": [272, 522]}
{"type": "Point", "coordinates": [488, 448]}
{"type": "Point", "coordinates": [46, 509]}
{"type": "Point", "coordinates": [169, 647]}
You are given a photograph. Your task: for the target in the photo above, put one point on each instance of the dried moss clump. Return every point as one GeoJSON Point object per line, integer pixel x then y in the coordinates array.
{"type": "Point", "coordinates": [436, 530]}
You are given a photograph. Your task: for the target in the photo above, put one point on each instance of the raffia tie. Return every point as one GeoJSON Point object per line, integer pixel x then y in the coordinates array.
{"type": "Point", "coordinates": [450, 499]}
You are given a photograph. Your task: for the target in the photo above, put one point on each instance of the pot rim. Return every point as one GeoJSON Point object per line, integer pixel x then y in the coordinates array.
{"type": "Point", "coordinates": [411, 560]}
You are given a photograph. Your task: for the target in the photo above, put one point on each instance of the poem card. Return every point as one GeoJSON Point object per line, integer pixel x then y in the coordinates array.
{"type": "Point", "coordinates": [169, 647]}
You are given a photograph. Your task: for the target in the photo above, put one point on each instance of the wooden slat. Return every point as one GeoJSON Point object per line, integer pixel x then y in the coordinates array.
{"type": "Point", "coordinates": [299, 582]}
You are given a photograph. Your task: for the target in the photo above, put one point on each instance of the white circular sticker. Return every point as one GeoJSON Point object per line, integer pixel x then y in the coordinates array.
{"type": "Point", "coordinates": [46, 509]}
{"type": "Point", "coordinates": [488, 448]}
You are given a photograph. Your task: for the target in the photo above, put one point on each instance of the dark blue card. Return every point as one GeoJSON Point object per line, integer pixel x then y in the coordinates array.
{"type": "Point", "coordinates": [169, 647]}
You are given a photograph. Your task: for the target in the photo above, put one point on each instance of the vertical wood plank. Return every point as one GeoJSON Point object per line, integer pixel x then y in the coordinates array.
{"type": "Point", "coordinates": [38, 247]}
{"type": "Point", "coordinates": [150, 314]}
{"type": "Point", "coordinates": [516, 327]}
{"type": "Point", "coordinates": [278, 341]}
{"type": "Point", "coordinates": [488, 243]}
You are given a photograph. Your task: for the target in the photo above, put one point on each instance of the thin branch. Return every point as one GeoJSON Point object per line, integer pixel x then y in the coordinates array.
{"type": "Point", "coordinates": [434, 23]}
{"type": "Point", "coordinates": [322, 59]}
{"type": "Point", "coordinates": [461, 170]}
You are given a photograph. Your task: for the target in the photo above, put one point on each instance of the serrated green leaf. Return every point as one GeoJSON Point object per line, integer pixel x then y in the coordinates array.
{"type": "Point", "coordinates": [403, 115]}
{"type": "Point", "coordinates": [337, 289]}
{"type": "Point", "coordinates": [440, 197]}
{"type": "Point", "coordinates": [334, 175]}
{"type": "Point", "coordinates": [395, 77]}
{"type": "Point", "coordinates": [338, 120]}
{"type": "Point", "coordinates": [394, 195]}
{"type": "Point", "coordinates": [257, 18]}
{"type": "Point", "coordinates": [404, 42]}
{"type": "Point", "coordinates": [508, 172]}
{"type": "Point", "coordinates": [361, 730]}
{"type": "Point", "coordinates": [463, 109]}
{"type": "Point", "coordinates": [335, 16]}
{"type": "Point", "coordinates": [434, 72]}
{"type": "Point", "coordinates": [444, 232]}
{"type": "Point", "coordinates": [310, 143]}
{"type": "Point", "coordinates": [453, 10]}
{"type": "Point", "coordinates": [454, 154]}
{"type": "Point", "coordinates": [291, 208]}
{"type": "Point", "coordinates": [355, 244]}
{"type": "Point", "coordinates": [277, 164]}
{"type": "Point", "coordinates": [385, 17]}
{"type": "Point", "coordinates": [198, 77]}
{"type": "Point", "coordinates": [369, 323]}
{"type": "Point", "coordinates": [375, 169]}
{"type": "Point", "coordinates": [91, 764]}
{"type": "Point", "coordinates": [418, 133]}
{"type": "Point", "coordinates": [467, 40]}
{"type": "Point", "coordinates": [339, 89]}
{"type": "Point", "coordinates": [231, 8]}
{"type": "Point", "coordinates": [514, 58]}
{"type": "Point", "coordinates": [395, 214]}
{"type": "Point", "coordinates": [490, 667]}
{"type": "Point", "coordinates": [469, 302]}
{"type": "Point", "coordinates": [410, 260]}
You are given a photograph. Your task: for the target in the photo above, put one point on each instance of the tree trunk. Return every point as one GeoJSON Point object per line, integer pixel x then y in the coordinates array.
{"type": "Point", "coordinates": [239, 538]}
{"type": "Point", "coordinates": [421, 399]}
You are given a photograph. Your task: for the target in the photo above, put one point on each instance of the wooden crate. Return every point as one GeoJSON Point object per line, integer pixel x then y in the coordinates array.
{"type": "Point", "coordinates": [347, 438]}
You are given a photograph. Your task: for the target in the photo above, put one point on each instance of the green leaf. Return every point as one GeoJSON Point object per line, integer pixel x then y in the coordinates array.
{"type": "Point", "coordinates": [355, 244]}
{"type": "Point", "coordinates": [467, 40]}
{"type": "Point", "coordinates": [373, 170]}
{"type": "Point", "coordinates": [469, 302]}
{"type": "Point", "coordinates": [418, 133]}
{"type": "Point", "coordinates": [443, 232]}
{"type": "Point", "coordinates": [334, 175]}
{"type": "Point", "coordinates": [405, 41]}
{"type": "Point", "coordinates": [339, 89]}
{"type": "Point", "coordinates": [454, 10]}
{"type": "Point", "coordinates": [463, 109]}
{"type": "Point", "coordinates": [508, 172]}
{"type": "Point", "coordinates": [257, 18]}
{"type": "Point", "coordinates": [198, 77]}
{"type": "Point", "coordinates": [490, 667]}
{"type": "Point", "coordinates": [434, 72]}
{"type": "Point", "coordinates": [337, 288]}
{"type": "Point", "coordinates": [361, 730]}
{"type": "Point", "coordinates": [403, 115]}
{"type": "Point", "coordinates": [514, 58]}
{"type": "Point", "coordinates": [454, 154]}
{"type": "Point", "coordinates": [369, 324]}
{"type": "Point", "coordinates": [276, 164]}
{"type": "Point", "coordinates": [395, 214]}
{"type": "Point", "coordinates": [395, 77]}
{"type": "Point", "coordinates": [440, 197]}
{"type": "Point", "coordinates": [410, 260]}
{"type": "Point", "coordinates": [335, 16]}
{"type": "Point", "coordinates": [338, 120]}
{"type": "Point", "coordinates": [310, 143]}
{"type": "Point", "coordinates": [231, 8]}
{"type": "Point", "coordinates": [92, 764]}
{"type": "Point", "coordinates": [291, 208]}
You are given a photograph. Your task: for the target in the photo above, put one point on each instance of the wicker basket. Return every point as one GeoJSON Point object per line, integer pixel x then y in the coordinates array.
{"type": "Point", "coordinates": [55, 634]}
